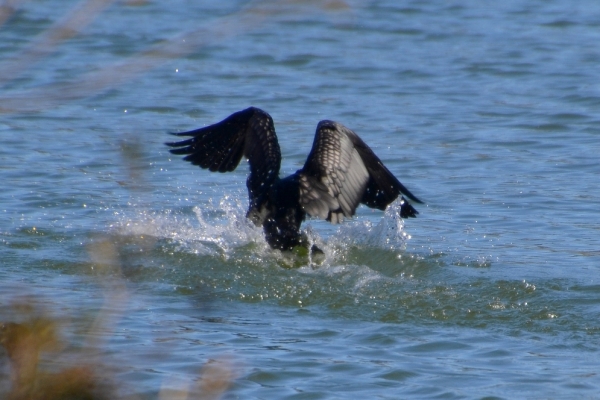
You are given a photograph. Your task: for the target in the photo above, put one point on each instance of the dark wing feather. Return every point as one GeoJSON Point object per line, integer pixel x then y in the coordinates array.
{"type": "Point", "coordinates": [383, 187]}
{"type": "Point", "coordinates": [220, 147]}
{"type": "Point", "coordinates": [342, 171]}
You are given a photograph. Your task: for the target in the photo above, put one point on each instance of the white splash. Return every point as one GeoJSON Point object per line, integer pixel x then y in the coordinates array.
{"type": "Point", "coordinates": [211, 230]}
{"type": "Point", "coordinates": [217, 229]}
{"type": "Point", "coordinates": [387, 234]}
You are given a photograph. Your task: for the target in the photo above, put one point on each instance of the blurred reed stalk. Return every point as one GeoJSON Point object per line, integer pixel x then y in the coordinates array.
{"type": "Point", "coordinates": [255, 15]}
{"type": "Point", "coordinates": [7, 8]}
{"type": "Point", "coordinates": [47, 41]}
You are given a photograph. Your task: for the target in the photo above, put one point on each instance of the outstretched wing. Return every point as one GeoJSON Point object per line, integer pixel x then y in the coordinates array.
{"type": "Point", "coordinates": [342, 171]}
{"type": "Point", "coordinates": [220, 147]}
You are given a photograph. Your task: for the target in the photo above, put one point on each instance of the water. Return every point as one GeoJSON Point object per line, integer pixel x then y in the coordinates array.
{"type": "Point", "coordinates": [488, 112]}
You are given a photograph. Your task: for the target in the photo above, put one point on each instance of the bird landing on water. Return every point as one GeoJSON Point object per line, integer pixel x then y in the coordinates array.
{"type": "Point", "coordinates": [340, 172]}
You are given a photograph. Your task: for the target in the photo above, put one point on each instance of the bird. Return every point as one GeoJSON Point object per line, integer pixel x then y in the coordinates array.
{"type": "Point", "coordinates": [339, 174]}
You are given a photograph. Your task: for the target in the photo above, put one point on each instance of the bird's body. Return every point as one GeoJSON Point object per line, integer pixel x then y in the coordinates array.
{"type": "Point", "coordinates": [340, 172]}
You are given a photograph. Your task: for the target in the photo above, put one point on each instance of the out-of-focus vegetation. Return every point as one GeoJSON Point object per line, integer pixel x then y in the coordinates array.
{"type": "Point", "coordinates": [26, 342]}
{"type": "Point", "coordinates": [43, 367]}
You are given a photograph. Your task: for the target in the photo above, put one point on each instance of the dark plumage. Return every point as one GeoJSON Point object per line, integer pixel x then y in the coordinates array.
{"type": "Point", "coordinates": [340, 172]}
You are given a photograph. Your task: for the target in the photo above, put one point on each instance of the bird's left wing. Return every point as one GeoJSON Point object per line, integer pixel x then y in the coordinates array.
{"type": "Point", "coordinates": [334, 176]}
{"type": "Point", "coordinates": [341, 172]}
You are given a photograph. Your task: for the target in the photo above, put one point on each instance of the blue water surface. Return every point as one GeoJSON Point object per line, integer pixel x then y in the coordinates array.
{"type": "Point", "coordinates": [486, 111]}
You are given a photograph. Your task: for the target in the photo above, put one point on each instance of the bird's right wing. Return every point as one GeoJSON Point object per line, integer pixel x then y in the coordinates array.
{"type": "Point", "coordinates": [220, 147]}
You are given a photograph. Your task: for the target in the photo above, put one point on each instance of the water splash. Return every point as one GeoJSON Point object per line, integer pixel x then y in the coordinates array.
{"type": "Point", "coordinates": [221, 228]}
{"type": "Point", "coordinates": [213, 230]}
{"type": "Point", "coordinates": [387, 234]}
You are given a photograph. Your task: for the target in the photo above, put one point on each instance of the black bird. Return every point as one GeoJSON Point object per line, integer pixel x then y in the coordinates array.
{"type": "Point", "coordinates": [340, 172]}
